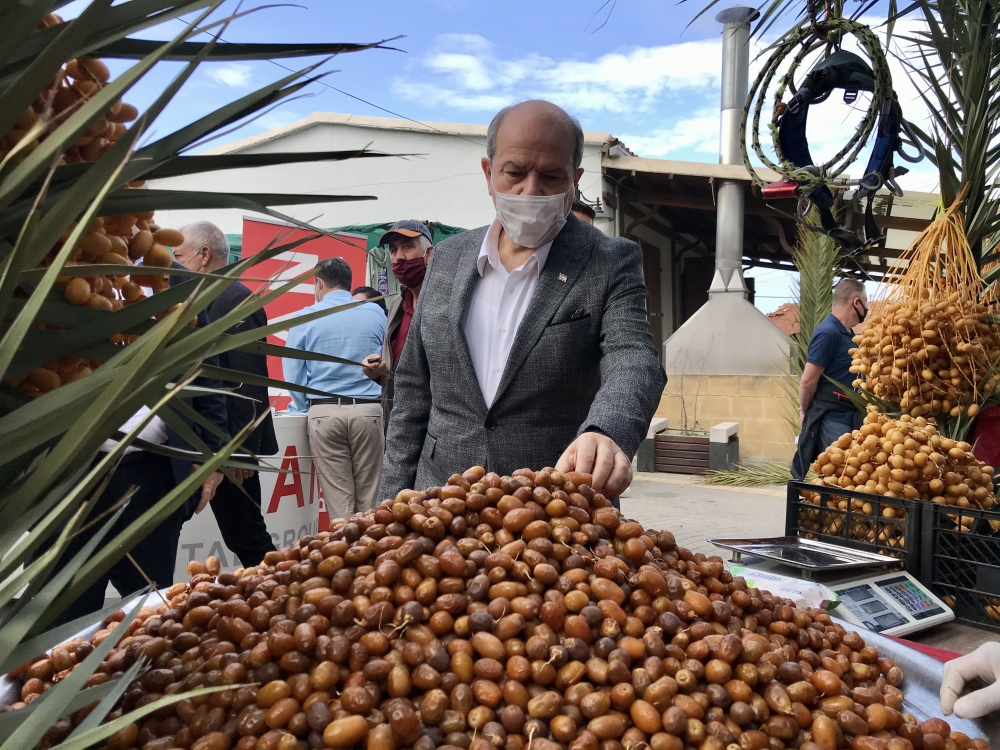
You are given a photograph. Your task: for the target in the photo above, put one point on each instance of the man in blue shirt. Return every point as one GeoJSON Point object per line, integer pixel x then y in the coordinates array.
{"type": "Point", "coordinates": [345, 431]}
{"type": "Point", "coordinates": [824, 409]}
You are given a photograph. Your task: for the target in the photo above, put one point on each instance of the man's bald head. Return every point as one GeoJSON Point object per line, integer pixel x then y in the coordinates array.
{"type": "Point", "coordinates": [543, 116]}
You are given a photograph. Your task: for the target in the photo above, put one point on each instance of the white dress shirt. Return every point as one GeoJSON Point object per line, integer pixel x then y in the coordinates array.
{"type": "Point", "coordinates": [154, 432]}
{"type": "Point", "coordinates": [496, 309]}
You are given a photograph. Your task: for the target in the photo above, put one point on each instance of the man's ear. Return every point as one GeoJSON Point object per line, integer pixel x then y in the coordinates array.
{"type": "Point", "coordinates": [427, 255]}
{"type": "Point", "coordinates": [488, 173]}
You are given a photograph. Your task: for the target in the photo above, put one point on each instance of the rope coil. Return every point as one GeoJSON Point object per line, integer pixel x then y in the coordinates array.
{"type": "Point", "coordinates": [808, 38]}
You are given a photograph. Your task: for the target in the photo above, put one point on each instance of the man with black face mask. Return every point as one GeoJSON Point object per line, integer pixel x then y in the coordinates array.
{"type": "Point", "coordinates": [824, 409]}
{"type": "Point", "coordinates": [410, 245]}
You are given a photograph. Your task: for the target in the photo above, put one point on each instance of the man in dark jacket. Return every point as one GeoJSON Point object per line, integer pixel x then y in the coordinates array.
{"type": "Point", "coordinates": [152, 475]}
{"type": "Point", "coordinates": [237, 508]}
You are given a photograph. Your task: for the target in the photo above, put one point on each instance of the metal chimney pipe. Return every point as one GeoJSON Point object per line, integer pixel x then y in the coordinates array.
{"type": "Point", "coordinates": [729, 195]}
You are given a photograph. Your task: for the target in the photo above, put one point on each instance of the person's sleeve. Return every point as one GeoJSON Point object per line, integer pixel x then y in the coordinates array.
{"type": "Point", "coordinates": [243, 411]}
{"type": "Point", "coordinates": [821, 349]}
{"type": "Point", "coordinates": [211, 406]}
{"type": "Point", "coordinates": [294, 371]}
{"type": "Point", "coordinates": [410, 413]}
{"type": "Point", "coordinates": [632, 378]}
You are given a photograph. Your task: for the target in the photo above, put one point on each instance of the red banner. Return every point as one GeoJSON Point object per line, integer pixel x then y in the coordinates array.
{"type": "Point", "coordinates": [284, 267]}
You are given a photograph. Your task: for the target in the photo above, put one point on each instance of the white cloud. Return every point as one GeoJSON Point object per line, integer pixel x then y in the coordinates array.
{"type": "Point", "coordinates": [659, 100]}
{"type": "Point", "coordinates": [429, 94]}
{"type": "Point", "coordinates": [235, 75]}
{"type": "Point", "coordinates": [463, 71]}
{"type": "Point", "coordinates": [468, 71]}
{"type": "Point", "coordinates": [698, 133]}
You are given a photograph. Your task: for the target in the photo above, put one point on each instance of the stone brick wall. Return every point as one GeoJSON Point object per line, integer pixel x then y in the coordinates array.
{"type": "Point", "coordinates": [756, 402]}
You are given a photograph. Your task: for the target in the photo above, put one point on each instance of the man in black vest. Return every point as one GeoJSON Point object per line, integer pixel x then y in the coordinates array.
{"type": "Point", "coordinates": [240, 519]}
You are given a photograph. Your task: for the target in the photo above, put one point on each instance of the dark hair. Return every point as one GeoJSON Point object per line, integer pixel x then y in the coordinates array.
{"type": "Point", "coordinates": [371, 293]}
{"type": "Point", "coordinates": [579, 207]}
{"type": "Point", "coordinates": [335, 273]}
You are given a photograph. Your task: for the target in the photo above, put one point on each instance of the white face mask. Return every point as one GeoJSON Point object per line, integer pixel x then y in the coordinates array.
{"type": "Point", "coordinates": [533, 220]}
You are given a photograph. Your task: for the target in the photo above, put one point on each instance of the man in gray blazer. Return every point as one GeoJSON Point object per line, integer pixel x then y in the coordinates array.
{"type": "Point", "coordinates": [530, 346]}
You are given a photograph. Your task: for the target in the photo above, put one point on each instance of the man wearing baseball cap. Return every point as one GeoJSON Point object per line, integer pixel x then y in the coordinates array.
{"type": "Point", "coordinates": [410, 245]}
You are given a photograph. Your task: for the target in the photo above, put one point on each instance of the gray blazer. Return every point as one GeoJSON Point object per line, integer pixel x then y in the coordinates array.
{"type": "Point", "coordinates": [582, 359]}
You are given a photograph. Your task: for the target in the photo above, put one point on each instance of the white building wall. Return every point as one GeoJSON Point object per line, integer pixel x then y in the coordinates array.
{"type": "Point", "coordinates": [437, 176]}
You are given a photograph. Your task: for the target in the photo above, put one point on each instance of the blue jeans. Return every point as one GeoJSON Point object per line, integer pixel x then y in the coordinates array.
{"type": "Point", "coordinates": [833, 425]}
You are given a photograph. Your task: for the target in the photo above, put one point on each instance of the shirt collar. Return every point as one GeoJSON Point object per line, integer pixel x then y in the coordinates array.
{"type": "Point", "coordinates": [336, 297]}
{"type": "Point", "coordinates": [840, 325]}
{"type": "Point", "coordinates": [489, 251]}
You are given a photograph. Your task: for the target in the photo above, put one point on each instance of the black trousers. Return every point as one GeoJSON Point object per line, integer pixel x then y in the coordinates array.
{"type": "Point", "coordinates": [156, 554]}
{"type": "Point", "coordinates": [241, 520]}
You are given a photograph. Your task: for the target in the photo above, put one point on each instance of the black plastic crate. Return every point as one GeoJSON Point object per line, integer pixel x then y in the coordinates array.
{"type": "Point", "coordinates": [963, 567]}
{"type": "Point", "coordinates": [874, 523]}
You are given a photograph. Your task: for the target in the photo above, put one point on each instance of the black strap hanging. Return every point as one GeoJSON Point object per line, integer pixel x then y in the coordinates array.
{"type": "Point", "coordinates": [849, 72]}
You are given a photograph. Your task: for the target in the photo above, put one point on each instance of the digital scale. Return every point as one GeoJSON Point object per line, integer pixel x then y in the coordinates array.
{"type": "Point", "coordinates": [891, 602]}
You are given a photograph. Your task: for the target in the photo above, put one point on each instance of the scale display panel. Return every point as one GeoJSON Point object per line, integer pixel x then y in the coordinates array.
{"type": "Point", "coordinates": [891, 603]}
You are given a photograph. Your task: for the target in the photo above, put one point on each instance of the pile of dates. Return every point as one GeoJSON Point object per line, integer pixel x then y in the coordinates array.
{"type": "Point", "coordinates": [496, 613]}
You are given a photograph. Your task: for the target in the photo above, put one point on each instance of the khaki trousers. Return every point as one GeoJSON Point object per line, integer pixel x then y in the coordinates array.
{"type": "Point", "coordinates": [347, 443]}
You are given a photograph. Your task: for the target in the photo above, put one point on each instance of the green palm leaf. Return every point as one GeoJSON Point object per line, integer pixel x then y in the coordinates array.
{"type": "Point", "coordinates": [51, 474]}
{"type": "Point", "coordinates": [136, 49]}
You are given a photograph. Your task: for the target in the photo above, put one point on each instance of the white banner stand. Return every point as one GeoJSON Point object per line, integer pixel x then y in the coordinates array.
{"type": "Point", "coordinates": [292, 503]}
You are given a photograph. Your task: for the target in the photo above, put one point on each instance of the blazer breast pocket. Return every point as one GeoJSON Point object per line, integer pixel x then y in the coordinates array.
{"type": "Point", "coordinates": [577, 322]}
{"type": "Point", "coordinates": [428, 450]}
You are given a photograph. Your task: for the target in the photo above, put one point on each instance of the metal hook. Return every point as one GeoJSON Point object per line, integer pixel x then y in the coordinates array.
{"type": "Point", "coordinates": [911, 140]}
{"type": "Point", "coordinates": [893, 187]}
{"type": "Point", "coordinates": [870, 183]}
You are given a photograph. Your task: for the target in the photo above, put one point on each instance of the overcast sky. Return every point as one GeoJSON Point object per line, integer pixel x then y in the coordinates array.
{"type": "Point", "coordinates": [627, 67]}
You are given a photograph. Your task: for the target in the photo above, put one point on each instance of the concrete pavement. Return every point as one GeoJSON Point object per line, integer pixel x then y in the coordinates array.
{"type": "Point", "coordinates": [695, 512]}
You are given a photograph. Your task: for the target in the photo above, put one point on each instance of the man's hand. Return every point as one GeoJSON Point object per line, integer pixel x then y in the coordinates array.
{"type": "Point", "coordinates": [597, 454]}
{"type": "Point", "coordinates": [983, 663]}
{"type": "Point", "coordinates": [373, 367]}
{"type": "Point", "coordinates": [208, 488]}
{"type": "Point", "coordinates": [807, 387]}
{"type": "Point", "coordinates": [241, 475]}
